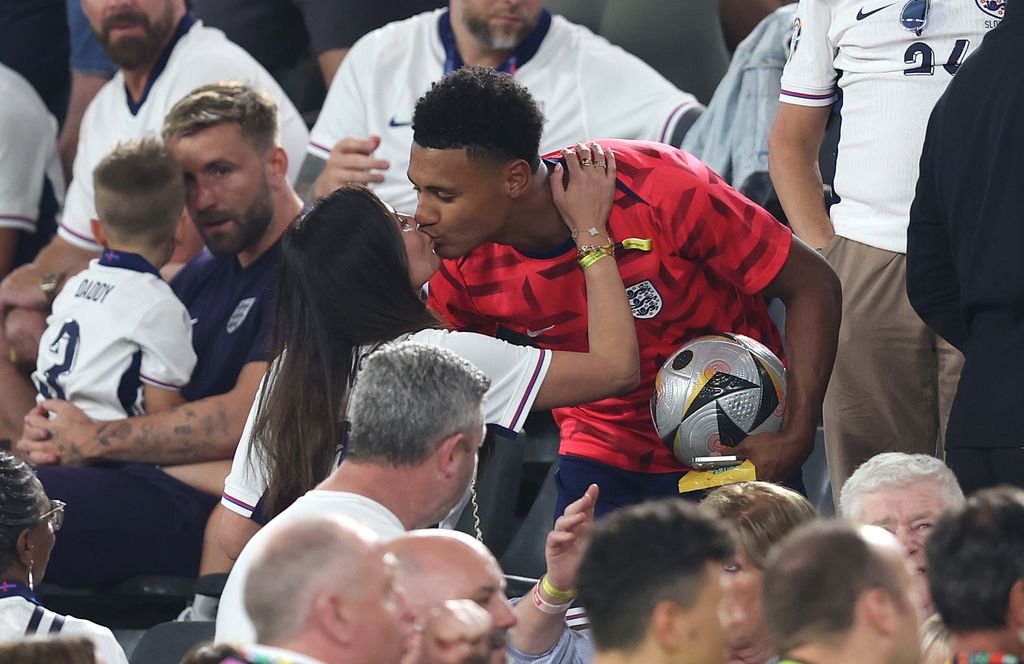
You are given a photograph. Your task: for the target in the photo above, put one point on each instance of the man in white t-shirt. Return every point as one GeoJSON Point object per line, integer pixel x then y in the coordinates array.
{"type": "Point", "coordinates": [417, 423]}
{"type": "Point", "coordinates": [894, 379]}
{"type": "Point", "coordinates": [585, 86]}
{"type": "Point", "coordinates": [162, 54]}
{"type": "Point", "coordinates": [31, 187]}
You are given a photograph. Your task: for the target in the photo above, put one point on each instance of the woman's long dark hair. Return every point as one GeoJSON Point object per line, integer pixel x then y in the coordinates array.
{"type": "Point", "coordinates": [342, 282]}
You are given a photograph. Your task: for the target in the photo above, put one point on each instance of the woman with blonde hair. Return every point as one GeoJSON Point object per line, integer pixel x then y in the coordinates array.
{"type": "Point", "coordinates": [761, 515]}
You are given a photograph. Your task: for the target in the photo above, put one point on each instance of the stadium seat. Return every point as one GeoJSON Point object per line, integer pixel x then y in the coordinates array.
{"type": "Point", "coordinates": [682, 40]}
{"type": "Point", "coordinates": [525, 555]}
{"type": "Point", "coordinates": [518, 586]}
{"type": "Point", "coordinates": [137, 603]}
{"type": "Point", "coordinates": [169, 642]}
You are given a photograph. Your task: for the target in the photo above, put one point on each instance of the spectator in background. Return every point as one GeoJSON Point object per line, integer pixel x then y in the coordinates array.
{"type": "Point", "coordinates": [587, 87]}
{"type": "Point", "coordinates": [322, 587]}
{"type": "Point", "coordinates": [761, 515]}
{"type": "Point", "coordinates": [961, 249]}
{"type": "Point", "coordinates": [894, 379]}
{"type": "Point", "coordinates": [440, 565]}
{"type": "Point", "coordinates": [841, 594]}
{"type": "Point", "coordinates": [162, 55]}
{"type": "Point", "coordinates": [416, 424]}
{"type": "Point", "coordinates": [31, 188]}
{"type": "Point", "coordinates": [302, 42]}
{"type": "Point", "coordinates": [29, 521]}
{"type": "Point", "coordinates": [156, 502]}
{"type": "Point", "coordinates": [66, 650]}
{"type": "Point", "coordinates": [976, 575]}
{"type": "Point", "coordinates": [651, 583]}
{"type": "Point", "coordinates": [91, 68]}
{"type": "Point", "coordinates": [905, 494]}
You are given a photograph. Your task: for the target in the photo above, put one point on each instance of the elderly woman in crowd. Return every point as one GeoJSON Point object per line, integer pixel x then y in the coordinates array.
{"type": "Point", "coordinates": [905, 494]}
{"type": "Point", "coordinates": [761, 514]}
{"type": "Point", "coordinates": [28, 524]}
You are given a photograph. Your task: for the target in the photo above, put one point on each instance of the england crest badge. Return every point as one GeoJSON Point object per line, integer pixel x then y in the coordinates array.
{"type": "Point", "coordinates": [238, 315]}
{"type": "Point", "coordinates": [644, 299]}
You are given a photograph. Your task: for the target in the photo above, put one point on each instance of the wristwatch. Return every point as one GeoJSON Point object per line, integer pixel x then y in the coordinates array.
{"type": "Point", "coordinates": [50, 284]}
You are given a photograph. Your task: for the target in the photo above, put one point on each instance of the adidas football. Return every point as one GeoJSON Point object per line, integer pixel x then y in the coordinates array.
{"type": "Point", "coordinates": [714, 392]}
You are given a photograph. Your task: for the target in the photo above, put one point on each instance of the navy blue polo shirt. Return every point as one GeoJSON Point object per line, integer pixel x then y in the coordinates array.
{"type": "Point", "coordinates": [231, 314]}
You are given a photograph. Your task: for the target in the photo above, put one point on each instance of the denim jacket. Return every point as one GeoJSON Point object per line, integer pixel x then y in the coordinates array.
{"type": "Point", "coordinates": [732, 135]}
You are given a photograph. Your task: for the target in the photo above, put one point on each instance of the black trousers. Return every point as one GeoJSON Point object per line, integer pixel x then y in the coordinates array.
{"type": "Point", "coordinates": [979, 467]}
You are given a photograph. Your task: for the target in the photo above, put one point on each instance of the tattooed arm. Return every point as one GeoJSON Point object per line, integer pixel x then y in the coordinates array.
{"type": "Point", "coordinates": [203, 430]}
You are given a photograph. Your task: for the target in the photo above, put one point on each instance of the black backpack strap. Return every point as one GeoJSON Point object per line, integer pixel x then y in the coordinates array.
{"type": "Point", "coordinates": [33, 623]}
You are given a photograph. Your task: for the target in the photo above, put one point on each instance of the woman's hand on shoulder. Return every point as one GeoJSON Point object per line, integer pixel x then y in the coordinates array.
{"type": "Point", "coordinates": [584, 195]}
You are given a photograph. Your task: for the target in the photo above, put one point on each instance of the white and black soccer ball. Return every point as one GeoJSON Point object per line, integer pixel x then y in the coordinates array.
{"type": "Point", "coordinates": [714, 392]}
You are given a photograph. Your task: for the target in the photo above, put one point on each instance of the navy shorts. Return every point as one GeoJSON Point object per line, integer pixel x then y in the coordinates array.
{"type": "Point", "coordinates": [124, 520]}
{"type": "Point", "coordinates": [623, 487]}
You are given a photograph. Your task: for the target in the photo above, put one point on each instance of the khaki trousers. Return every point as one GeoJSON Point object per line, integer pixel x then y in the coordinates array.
{"type": "Point", "coordinates": [894, 379]}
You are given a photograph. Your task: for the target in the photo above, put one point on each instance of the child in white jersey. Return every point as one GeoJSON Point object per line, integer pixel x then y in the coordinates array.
{"type": "Point", "coordinates": [118, 341]}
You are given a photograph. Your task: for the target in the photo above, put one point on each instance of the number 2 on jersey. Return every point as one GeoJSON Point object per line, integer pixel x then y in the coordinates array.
{"type": "Point", "coordinates": [52, 389]}
{"type": "Point", "coordinates": [923, 53]}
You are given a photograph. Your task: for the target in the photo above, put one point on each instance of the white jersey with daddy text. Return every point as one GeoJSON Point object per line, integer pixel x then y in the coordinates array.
{"type": "Point", "coordinates": [891, 70]}
{"type": "Point", "coordinates": [111, 330]}
{"type": "Point", "coordinates": [516, 374]}
{"type": "Point", "coordinates": [28, 152]}
{"type": "Point", "coordinates": [201, 56]}
{"type": "Point", "coordinates": [586, 87]}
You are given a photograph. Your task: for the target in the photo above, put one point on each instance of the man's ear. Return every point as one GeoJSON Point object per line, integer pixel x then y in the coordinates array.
{"type": "Point", "coordinates": [97, 232]}
{"type": "Point", "coordinates": [333, 616]}
{"type": "Point", "coordinates": [181, 227]}
{"type": "Point", "coordinates": [880, 611]}
{"type": "Point", "coordinates": [669, 626]}
{"type": "Point", "coordinates": [449, 453]}
{"type": "Point", "coordinates": [276, 165]}
{"type": "Point", "coordinates": [518, 176]}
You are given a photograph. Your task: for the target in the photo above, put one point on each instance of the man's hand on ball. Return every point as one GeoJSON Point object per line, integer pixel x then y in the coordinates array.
{"type": "Point", "coordinates": [775, 455]}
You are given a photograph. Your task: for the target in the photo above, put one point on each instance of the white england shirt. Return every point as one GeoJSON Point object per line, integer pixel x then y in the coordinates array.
{"type": "Point", "coordinates": [201, 56]}
{"type": "Point", "coordinates": [28, 152]}
{"type": "Point", "coordinates": [890, 78]}
{"type": "Point", "coordinates": [114, 326]}
{"type": "Point", "coordinates": [586, 87]}
{"type": "Point", "coordinates": [516, 374]}
{"type": "Point", "coordinates": [17, 612]}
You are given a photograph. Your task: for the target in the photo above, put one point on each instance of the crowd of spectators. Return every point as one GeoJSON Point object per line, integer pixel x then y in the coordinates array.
{"type": "Point", "coordinates": [274, 274]}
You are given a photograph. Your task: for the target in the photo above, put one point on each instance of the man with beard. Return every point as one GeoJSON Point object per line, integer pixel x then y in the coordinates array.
{"type": "Point", "coordinates": [586, 86]}
{"type": "Point", "coordinates": [162, 54]}
{"type": "Point", "coordinates": [133, 516]}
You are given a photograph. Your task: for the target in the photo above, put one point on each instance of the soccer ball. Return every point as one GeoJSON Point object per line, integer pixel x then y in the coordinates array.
{"type": "Point", "coordinates": [714, 392]}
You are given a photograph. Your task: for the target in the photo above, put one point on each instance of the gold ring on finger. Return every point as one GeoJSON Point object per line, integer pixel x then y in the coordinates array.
{"type": "Point", "coordinates": [599, 164]}
{"type": "Point", "coordinates": [586, 161]}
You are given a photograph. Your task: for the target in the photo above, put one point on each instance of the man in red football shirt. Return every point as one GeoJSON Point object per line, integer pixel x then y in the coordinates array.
{"type": "Point", "coordinates": [712, 258]}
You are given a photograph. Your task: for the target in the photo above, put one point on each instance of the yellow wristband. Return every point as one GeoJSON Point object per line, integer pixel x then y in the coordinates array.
{"type": "Point", "coordinates": [590, 258]}
{"type": "Point", "coordinates": [563, 595]}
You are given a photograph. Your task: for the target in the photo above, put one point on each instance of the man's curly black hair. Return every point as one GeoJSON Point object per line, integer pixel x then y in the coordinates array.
{"type": "Point", "coordinates": [482, 110]}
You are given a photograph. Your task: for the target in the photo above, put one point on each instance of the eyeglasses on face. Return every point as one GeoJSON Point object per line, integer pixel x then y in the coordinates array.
{"type": "Point", "coordinates": [55, 515]}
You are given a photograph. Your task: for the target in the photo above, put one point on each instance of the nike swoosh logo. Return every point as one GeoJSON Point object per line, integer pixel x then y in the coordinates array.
{"type": "Point", "coordinates": [537, 333]}
{"type": "Point", "coordinates": [397, 123]}
{"type": "Point", "coordinates": [861, 15]}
